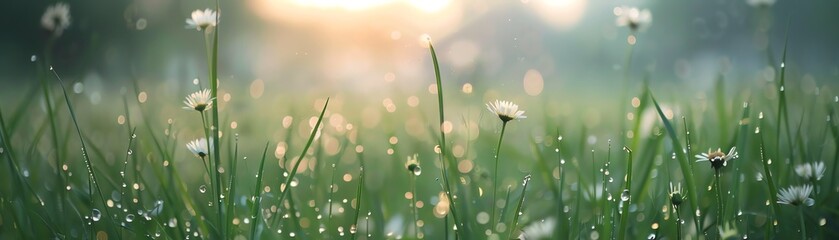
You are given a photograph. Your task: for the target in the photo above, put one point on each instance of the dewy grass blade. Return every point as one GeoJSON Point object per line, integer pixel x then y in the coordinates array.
{"type": "Point", "coordinates": [517, 213]}
{"type": "Point", "coordinates": [444, 158]}
{"type": "Point", "coordinates": [17, 213]}
{"type": "Point", "coordinates": [287, 186]}
{"type": "Point", "coordinates": [257, 193]}
{"type": "Point", "coordinates": [358, 194]}
{"type": "Point", "coordinates": [773, 190]}
{"type": "Point", "coordinates": [231, 185]}
{"type": "Point", "coordinates": [741, 141]}
{"type": "Point", "coordinates": [626, 198]}
{"type": "Point", "coordinates": [91, 174]}
{"type": "Point", "coordinates": [214, 94]}
{"type": "Point", "coordinates": [683, 164]}
{"type": "Point", "coordinates": [61, 178]}
{"type": "Point", "coordinates": [783, 111]}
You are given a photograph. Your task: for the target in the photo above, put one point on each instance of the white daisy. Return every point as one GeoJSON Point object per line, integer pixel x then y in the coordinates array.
{"type": "Point", "coordinates": [796, 195]}
{"type": "Point", "coordinates": [717, 158]}
{"type": "Point", "coordinates": [505, 110]}
{"type": "Point", "coordinates": [199, 101]}
{"type": "Point", "coordinates": [201, 20]}
{"type": "Point", "coordinates": [811, 171]}
{"type": "Point", "coordinates": [56, 18]}
{"type": "Point", "coordinates": [636, 19]}
{"type": "Point", "coordinates": [198, 147]}
{"type": "Point", "coordinates": [760, 3]}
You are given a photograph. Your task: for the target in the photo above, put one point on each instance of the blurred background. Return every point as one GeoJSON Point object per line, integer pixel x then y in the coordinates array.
{"type": "Point", "coordinates": [300, 46]}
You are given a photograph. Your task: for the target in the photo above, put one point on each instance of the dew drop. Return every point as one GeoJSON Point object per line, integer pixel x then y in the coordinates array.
{"type": "Point", "coordinates": [202, 188]}
{"type": "Point", "coordinates": [195, 81]}
{"type": "Point", "coordinates": [130, 152]}
{"type": "Point", "coordinates": [129, 218]}
{"type": "Point", "coordinates": [782, 88]}
{"type": "Point", "coordinates": [417, 170]}
{"type": "Point", "coordinates": [698, 213]}
{"type": "Point", "coordinates": [33, 58]}
{"type": "Point", "coordinates": [625, 195]}
{"type": "Point", "coordinates": [96, 215]}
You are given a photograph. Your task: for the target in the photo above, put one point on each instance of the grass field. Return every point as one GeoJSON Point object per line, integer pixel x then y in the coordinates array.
{"type": "Point", "coordinates": [747, 159]}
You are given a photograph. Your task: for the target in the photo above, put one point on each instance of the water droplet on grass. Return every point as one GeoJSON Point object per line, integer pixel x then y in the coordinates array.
{"type": "Point", "coordinates": [625, 195]}
{"type": "Point", "coordinates": [96, 215]}
{"type": "Point", "coordinates": [129, 218]}
{"type": "Point", "coordinates": [202, 188]}
{"type": "Point", "coordinates": [33, 58]}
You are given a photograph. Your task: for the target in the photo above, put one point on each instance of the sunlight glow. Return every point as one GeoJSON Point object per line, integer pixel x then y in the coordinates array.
{"type": "Point", "coordinates": [430, 6]}
{"type": "Point", "coordinates": [559, 13]}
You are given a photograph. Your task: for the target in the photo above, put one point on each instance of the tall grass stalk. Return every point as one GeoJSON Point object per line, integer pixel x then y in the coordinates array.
{"type": "Point", "coordinates": [18, 214]}
{"type": "Point", "coordinates": [286, 187]}
{"type": "Point", "coordinates": [358, 194]}
{"type": "Point", "coordinates": [517, 213]}
{"type": "Point", "coordinates": [773, 190]}
{"type": "Point", "coordinates": [683, 164]}
{"type": "Point", "coordinates": [257, 195]}
{"type": "Point", "coordinates": [231, 184]}
{"type": "Point", "coordinates": [444, 158]}
{"type": "Point", "coordinates": [60, 178]}
{"type": "Point", "coordinates": [741, 140]}
{"type": "Point", "coordinates": [92, 181]}
{"type": "Point", "coordinates": [605, 207]}
{"type": "Point", "coordinates": [211, 43]}
{"type": "Point", "coordinates": [626, 199]}
{"type": "Point", "coordinates": [782, 107]}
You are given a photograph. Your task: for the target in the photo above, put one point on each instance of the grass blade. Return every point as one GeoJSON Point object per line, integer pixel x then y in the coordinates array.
{"type": "Point", "coordinates": [257, 193]}
{"type": "Point", "coordinates": [91, 174]}
{"type": "Point", "coordinates": [445, 161]}
{"type": "Point", "coordinates": [518, 207]}
{"type": "Point", "coordinates": [683, 164]}
{"type": "Point", "coordinates": [287, 186]}
{"type": "Point", "coordinates": [626, 199]}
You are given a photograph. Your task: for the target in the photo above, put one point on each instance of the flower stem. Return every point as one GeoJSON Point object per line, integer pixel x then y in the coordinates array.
{"type": "Point", "coordinates": [678, 223]}
{"type": "Point", "coordinates": [495, 176]}
{"type": "Point", "coordinates": [801, 218]}
{"type": "Point", "coordinates": [720, 205]}
{"type": "Point", "coordinates": [414, 205]}
{"type": "Point", "coordinates": [207, 136]}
